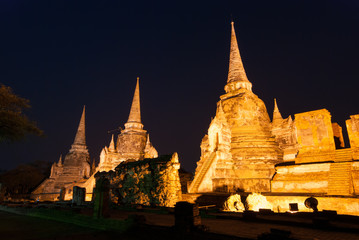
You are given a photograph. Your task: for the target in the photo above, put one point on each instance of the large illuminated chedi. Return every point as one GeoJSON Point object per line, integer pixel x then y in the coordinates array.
{"type": "Point", "coordinates": [239, 153]}
{"type": "Point", "coordinates": [245, 151]}
{"type": "Point", "coordinates": [76, 167]}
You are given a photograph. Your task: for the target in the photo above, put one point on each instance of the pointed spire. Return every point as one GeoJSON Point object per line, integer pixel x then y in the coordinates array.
{"type": "Point", "coordinates": [112, 145]}
{"type": "Point", "coordinates": [277, 117]}
{"type": "Point", "coordinates": [59, 163]}
{"type": "Point", "coordinates": [80, 138]}
{"type": "Point", "coordinates": [150, 151]}
{"type": "Point", "coordinates": [220, 115]}
{"type": "Point", "coordinates": [52, 173]}
{"type": "Point", "coordinates": [135, 113]}
{"type": "Point", "coordinates": [148, 139]}
{"type": "Point", "coordinates": [134, 119]}
{"type": "Point", "coordinates": [148, 142]}
{"type": "Point", "coordinates": [237, 77]}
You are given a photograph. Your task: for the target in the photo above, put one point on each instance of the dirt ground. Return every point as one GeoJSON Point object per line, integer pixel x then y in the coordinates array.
{"type": "Point", "coordinates": [159, 226]}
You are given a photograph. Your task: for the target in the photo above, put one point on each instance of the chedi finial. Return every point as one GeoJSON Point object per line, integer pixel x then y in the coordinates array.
{"type": "Point", "coordinates": [59, 163]}
{"type": "Point", "coordinates": [237, 77]}
{"type": "Point", "coordinates": [80, 138]}
{"type": "Point", "coordinates": [134, 119]}
{"type": "Point", "coordinates": [277, 117]}
{"type": "Point", "coordinates": [112, 144]}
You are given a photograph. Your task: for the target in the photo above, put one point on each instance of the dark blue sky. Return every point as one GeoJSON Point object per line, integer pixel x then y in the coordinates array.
{"type": "Point", "coordinates": [62, 55]}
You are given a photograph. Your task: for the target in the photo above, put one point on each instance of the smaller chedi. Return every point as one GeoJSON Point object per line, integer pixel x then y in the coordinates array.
{"type": "Point", "coordinates": [135, 172]}
{"type": "Point", "coordinates": [74, 168]}
{"type": "Point", "coordinates": [132, 143]}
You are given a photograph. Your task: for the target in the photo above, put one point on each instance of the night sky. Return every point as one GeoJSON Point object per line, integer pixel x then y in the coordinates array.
{"type": "Point", "coordinates": [62, 55]}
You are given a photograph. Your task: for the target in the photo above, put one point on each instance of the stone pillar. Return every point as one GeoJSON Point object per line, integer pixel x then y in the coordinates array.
{"type": "Point", "coordinates": [78, 195]}
{"type": "Point", "coordinates": [62, 194]}
{"type": "Point", "coordinates": [101, 198]}
{"type": "Point", "coordinates": [186, 216]}
{"type": "Point", "coordinates": [338, 136]}
{"type": "Point", "coordinates": [353, 133]}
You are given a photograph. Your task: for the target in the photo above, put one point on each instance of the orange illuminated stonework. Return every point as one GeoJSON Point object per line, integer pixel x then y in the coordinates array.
{"type": "Point", "coordinates": [244, 151]}
{"type": "Point", "coordinates": [74, 168]}
{"type": "Point", "coordinates": [151, 182]}
{"type": "Point", "coordinates": [239, 153]}
{"type": "Point", "coordinates": [133, 144]}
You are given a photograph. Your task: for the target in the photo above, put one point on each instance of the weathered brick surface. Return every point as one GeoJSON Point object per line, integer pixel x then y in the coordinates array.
{"type": "Point", "coordinates": [152, 182]}
{"type": "Point", "coordinates": [239, 152]}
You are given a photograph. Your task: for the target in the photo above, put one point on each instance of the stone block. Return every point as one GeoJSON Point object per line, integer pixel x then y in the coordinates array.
{"type": "Point", "coordinates": [293, 207]}
{"type": "Point", "coordinates": [62, 194]}
{"type": "Point", "coordinates": [78, 195]}
{"type": "Point", "coordinates": [353, 133]}
{"type": "Point", "coordinates": [338, 136]}
{"type": "Point", "coordinates": [315, 136]}
{"type": "Point", "coordinates": [305, 178]}
{"type": "Point", "coordinates": [186, 216]}
{"type": "Point", "coordinates": [101, 198]}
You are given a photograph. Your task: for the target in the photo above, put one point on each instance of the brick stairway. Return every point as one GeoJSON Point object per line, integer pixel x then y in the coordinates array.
{"type": "Point", "coordinates": [339, 178]}
{"type": "Point", "coordinates": [199, 177]}
{"type": "Point", "coordinates": [343, 155]}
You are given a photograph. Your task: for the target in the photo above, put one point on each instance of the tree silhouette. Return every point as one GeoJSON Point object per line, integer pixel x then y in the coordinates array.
{"type": "Point", "coordinates": [14, 124]}
{"type": "Point", "coordinates": [22, 180]}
